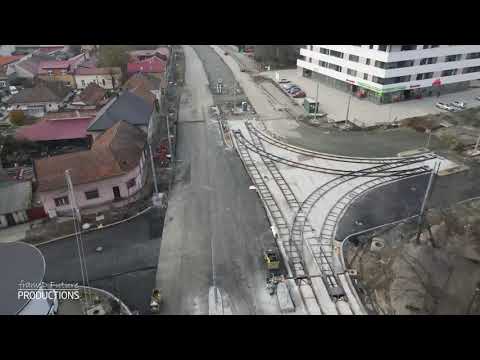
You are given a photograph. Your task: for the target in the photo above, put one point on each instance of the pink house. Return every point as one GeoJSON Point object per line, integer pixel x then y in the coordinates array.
{"type": "Point", "coordinates": [111, 171]}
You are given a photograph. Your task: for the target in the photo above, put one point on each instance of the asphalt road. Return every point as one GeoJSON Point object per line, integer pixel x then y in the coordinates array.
{"type": "Point", "coordinates": [216, 228]}
{"type": "Point", "coordinates": [126, 267]}
{"type": "Point", "coordinates": [402, 199]}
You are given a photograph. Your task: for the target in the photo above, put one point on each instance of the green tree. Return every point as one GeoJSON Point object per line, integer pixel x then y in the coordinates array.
{"type": "Point", "coordinates": [114, 55]}
{"type": "Point", "coordinates": [17, 117]}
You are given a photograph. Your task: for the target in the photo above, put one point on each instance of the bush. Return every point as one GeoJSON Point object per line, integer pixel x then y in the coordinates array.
{"type": "Point", "coordinates": [17, 117]}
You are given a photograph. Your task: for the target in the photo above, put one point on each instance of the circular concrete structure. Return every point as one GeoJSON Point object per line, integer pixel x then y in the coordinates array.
{"type": "Point", "coordinates": [22, 266]}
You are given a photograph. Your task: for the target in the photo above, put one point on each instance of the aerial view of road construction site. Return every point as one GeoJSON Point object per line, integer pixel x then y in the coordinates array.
{"type": "Point", "coordinates": [240, 179]}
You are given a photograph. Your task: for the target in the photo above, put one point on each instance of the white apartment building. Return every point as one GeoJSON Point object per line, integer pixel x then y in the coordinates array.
{"type": "Point", "coordinates": [389, 73]}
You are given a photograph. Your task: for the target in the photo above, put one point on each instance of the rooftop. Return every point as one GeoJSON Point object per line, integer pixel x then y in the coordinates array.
{"type": "Point", "coordinates": [91, 95]}
{"type": "Point", "coordinates": [5, 60]}
{"type": "Point", "coordinates": [114, 153]}
{"type": "Point", "coordinates": [55, 129]}
{"type": "Point", "coordinates": [150, 65]}
{"type": "Point", "coordinates": [50, 91]}
{"type": "Point", "coordinates": [127, 106]}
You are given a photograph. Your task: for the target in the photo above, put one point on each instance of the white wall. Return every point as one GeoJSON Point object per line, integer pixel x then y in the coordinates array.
{"type": "Point", "coordinates": [83, 81]}
{"type": "Point", "coordinates": [104, 188]}
{"type": "Point", "coordinates": [373, 54]}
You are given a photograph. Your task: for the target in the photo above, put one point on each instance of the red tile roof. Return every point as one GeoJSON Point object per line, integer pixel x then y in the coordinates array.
{"type": "Point", "coordinates": [5, 60]}
{"type": "Point", "coordinates": [114, 153]}
{"type": "Point", "coordinates": [49, 129]}
{"type": "Point", "coordinates": [151, 65]}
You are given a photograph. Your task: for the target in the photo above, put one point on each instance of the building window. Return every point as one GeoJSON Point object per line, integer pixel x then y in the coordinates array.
{"type": "Point", "coordinates": [354, 58]}
{"type": "Point", "coordinates": [471, 69]}
{"type": "Point", "coordinates": [450, 58]}
{"type": "Point", "coordinates": [473, 56]}
{"type": "Point", "coordinates": [450, 72]}
{"type": "Point", "coordinates": [382, 47]}
{"type": "Point", "coordinates": [424, 76]}
{"type": "Point", "coordinates": [367, 62]}
{"type": "Point", "coordinates": [337, 54]}
{"type": "Point", "coordinates": [352, 72]}
{"type": "Point", "coordinates": [380, 64]}
{"type": "Point", "coordinates": [131, 183]}
{"type": "Point", "coordinates": [83, 82]}
{"type": "Point", "coordinates": [370, 46]}
{"type": "Point", "coordinates": [408, 47]}
{"type": "Point", "coordinates": [324, 51]}
{"type": "Point", "coordinates": [430, 46]}
{"type": "Point", "coordinates": [335, 67]}
{"type": "Point", "coordinates": [428, 61]}
{"type": "Point", "coordinates": [323, 64]}
{"type": "Point", "coordinates": [61, 201]}
{"type": "Point", "coordinates": [93, 194]}
{"type": "Point", "coordinates": [103, 82]}
{"type": "Point", "coordinates": [365, 76]}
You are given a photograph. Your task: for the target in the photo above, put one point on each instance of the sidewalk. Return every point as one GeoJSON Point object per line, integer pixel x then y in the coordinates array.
{"type": "Point", "coordinates": [363, 112]}
{"type": "Point", "coordinates": [14, 233]}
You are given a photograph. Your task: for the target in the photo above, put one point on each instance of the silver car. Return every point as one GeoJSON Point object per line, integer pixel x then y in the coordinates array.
{"type": "Point", "coordinates": [459, 104]}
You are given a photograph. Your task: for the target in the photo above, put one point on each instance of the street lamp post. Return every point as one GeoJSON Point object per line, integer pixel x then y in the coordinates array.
{"type": "Point", "coordinates": [348, 107]}
{"type": "Point", "coordinates": [316, 99]}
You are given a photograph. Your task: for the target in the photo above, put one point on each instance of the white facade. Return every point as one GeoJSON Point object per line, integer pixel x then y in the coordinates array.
{"type": "Point", "coordinates": [392, 68]}
{"type": "Point", "coordinates": [102, 80]}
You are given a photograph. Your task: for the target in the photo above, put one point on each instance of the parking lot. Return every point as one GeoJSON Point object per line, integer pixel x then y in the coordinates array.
{"type": "Point", "coordinates": [365, 113]}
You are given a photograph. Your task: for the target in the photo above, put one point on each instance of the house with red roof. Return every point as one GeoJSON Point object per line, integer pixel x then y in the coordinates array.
{"type": "Point", "coordinates": [153, 66]}
{"type": "Point", "coordinates": [59, 130]}
{"type": "Point", "coordinates": [140, 55]}
{"type": "Point", "coordinates": [61, 70]}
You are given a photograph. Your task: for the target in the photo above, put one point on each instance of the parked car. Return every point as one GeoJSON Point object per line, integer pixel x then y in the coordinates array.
{"type": "Point", "coordinates": [444, 106]}
{"type": "Point", "coordinates": [283, 81]}
{"type": "Point", "coordinates": [459, 104]}
{"type": "Point", "coordinates": [13, 90]}
{"type": "Point", "coordinates": [293, 90]}
{"type": "Point", "coordinates": [477, 98]}
{"type": "Point", "coordinates": [299, 94]}
{"type": "Point", "coordinates": [287, 86]}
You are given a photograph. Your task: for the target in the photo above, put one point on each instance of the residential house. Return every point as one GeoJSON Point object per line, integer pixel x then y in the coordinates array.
{"type": "Point", "coordinates": [60, 129]}
{"type": "Point", "coordinates": [146, 81]}
{"type": "Point", "coordinates": [112, 170]}
{"type": "Point", "coordinates": [44, 49]}
{"type": "Point", "coordinates": [106, 77]}
{"type": "Point", "coordinates": [15, 200]}
{"type": "Point", "coordinates": [140, 55]}
{"type": "Point", "coordinates": [138, 109]}
{"type": "Point", "coordinates": [56, 70]}
{"type": "Point", "coordinates": [153, 66]}
{"type": "Point", "coordinates": [29, 66]}
{"type": "Point", "coordinates": [7, 68]}
{"type": "Point", "coordinates": [91, 98]}
{"type": "Point", "coordinates": [61, 70]}
{"type": "Point", "coordinates": [44, 97]}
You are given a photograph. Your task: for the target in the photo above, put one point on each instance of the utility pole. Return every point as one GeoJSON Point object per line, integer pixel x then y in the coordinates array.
{"type": "Point", "coordinates": [234, 94]}
{"type": "Point", "coordinates": [475, 149]}
{"type": "Point", "coordinates": [316, 99]}
{"type": "Point", "coordinates": [348, 106]}
{"type": "Point", "coordinates": [429, 132]}
{"type": "Point", "coordinates": [153, 170]}
{"type": "Point", "coordinates": [425, 198]}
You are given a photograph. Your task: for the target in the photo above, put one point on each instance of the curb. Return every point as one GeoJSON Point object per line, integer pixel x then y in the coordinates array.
{"type": "Point", "coordinates": [96, 229]}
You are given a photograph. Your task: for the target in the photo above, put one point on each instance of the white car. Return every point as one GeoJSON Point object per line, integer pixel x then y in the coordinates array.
{"type": "Point", "coordinates": [283, 81]}
{"type": "Point", "coordinates": [459, 104]}
{"type": "Point", "coordinates": [444, 106]}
